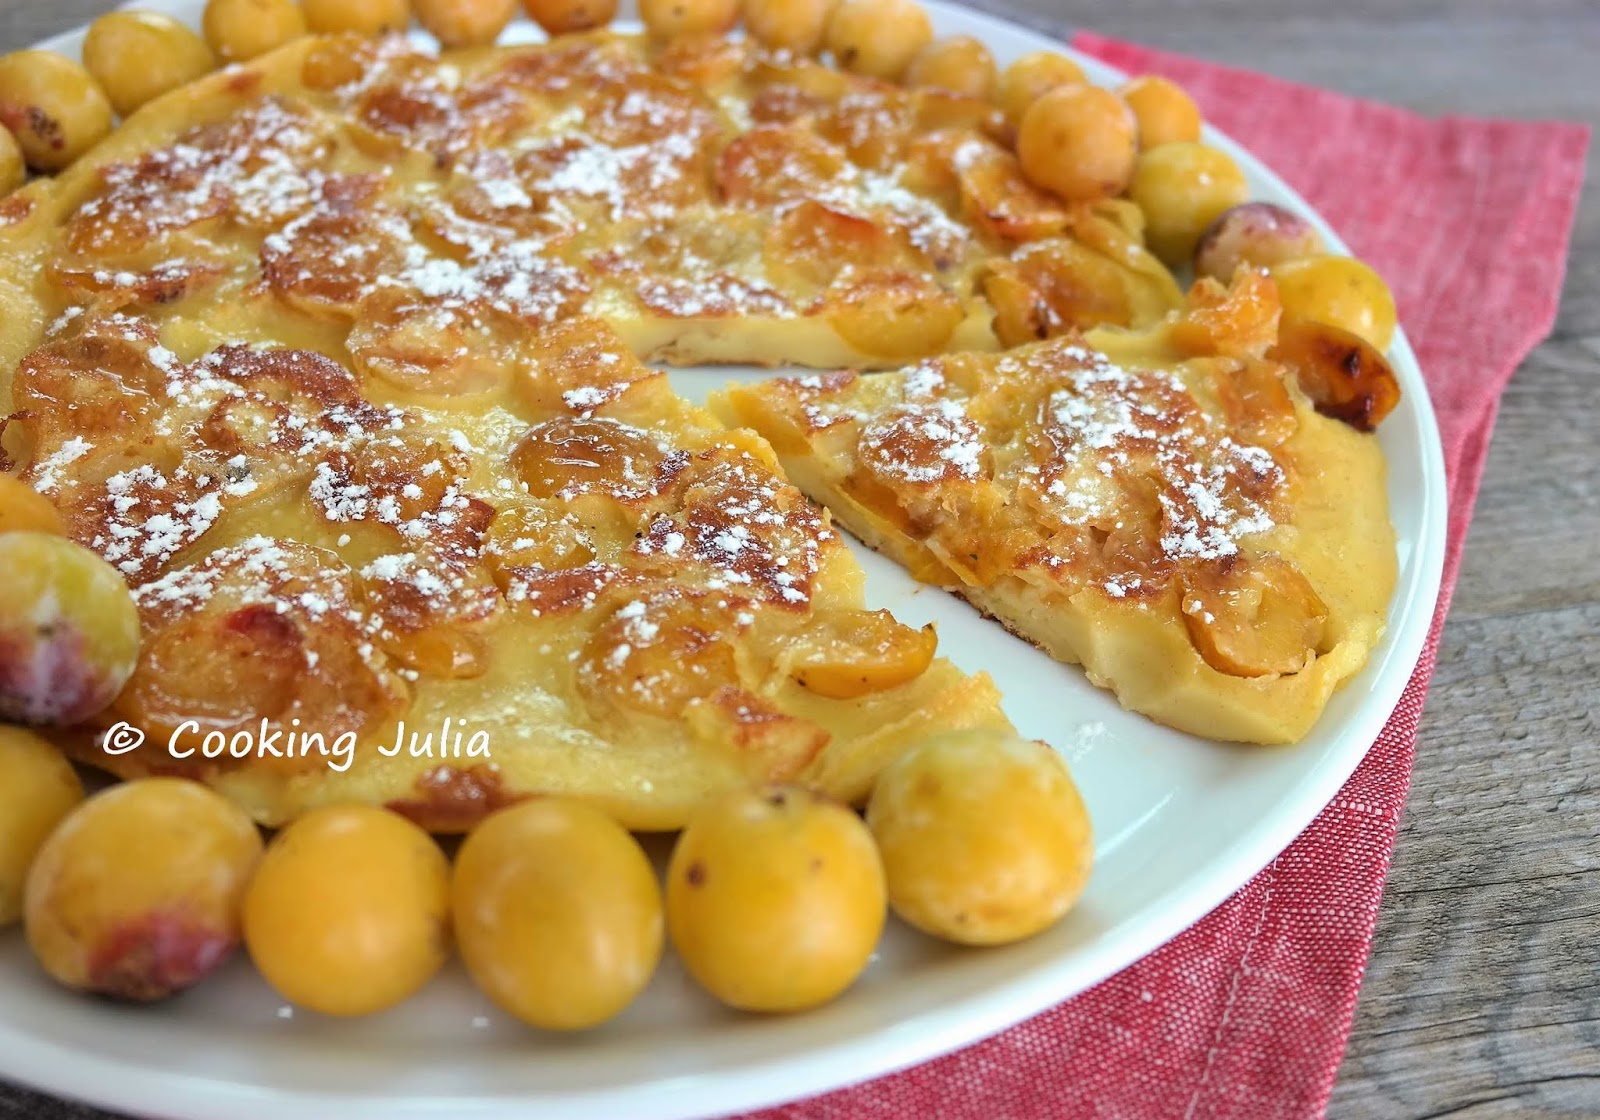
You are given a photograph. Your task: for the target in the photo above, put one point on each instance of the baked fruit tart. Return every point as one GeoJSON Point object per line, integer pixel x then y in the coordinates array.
{"type": "Point", "coordinates": [330, 442]}
{"type": "Point", "coordinates": [337, 358]}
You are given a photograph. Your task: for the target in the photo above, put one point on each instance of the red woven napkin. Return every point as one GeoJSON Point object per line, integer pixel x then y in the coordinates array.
{"type": "Point", "coordinates": [1247, 1013]}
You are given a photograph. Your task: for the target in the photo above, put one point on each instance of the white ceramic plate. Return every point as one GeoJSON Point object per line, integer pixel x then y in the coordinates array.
{"type": "Point", "coordinates": [1180, 825]}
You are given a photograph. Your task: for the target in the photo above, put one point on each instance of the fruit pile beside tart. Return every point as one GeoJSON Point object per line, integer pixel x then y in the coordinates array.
{"type": "Point", "coordinates": [326, 418]}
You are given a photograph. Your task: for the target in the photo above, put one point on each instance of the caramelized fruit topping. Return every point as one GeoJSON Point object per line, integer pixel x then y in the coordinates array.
{"type": "Point", "coordinates": [846, 655]}
{"type": "Point", "coordinates": [1254, 616]}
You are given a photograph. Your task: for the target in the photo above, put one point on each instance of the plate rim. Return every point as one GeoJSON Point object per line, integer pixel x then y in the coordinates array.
{"type": "Point", "coordinates": [765, 1082]}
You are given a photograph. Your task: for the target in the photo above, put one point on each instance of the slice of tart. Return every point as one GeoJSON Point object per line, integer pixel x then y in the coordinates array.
{"type": "Point", "coordinates": [1167, 508]}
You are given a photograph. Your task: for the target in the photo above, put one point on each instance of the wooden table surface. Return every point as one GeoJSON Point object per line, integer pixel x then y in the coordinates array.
{"type": "Point", "coordinates": [1483, 995]}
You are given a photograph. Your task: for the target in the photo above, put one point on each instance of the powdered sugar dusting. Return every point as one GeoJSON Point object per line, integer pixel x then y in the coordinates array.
{"type": "Point", "coordinates": [1115, 473]}
{"type": "Point", "coordinates": [1111, 420]}
{"type": "Point", "coordinates": [47, 472]}
{"type": "Point", "coordinates": [928, 442]}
